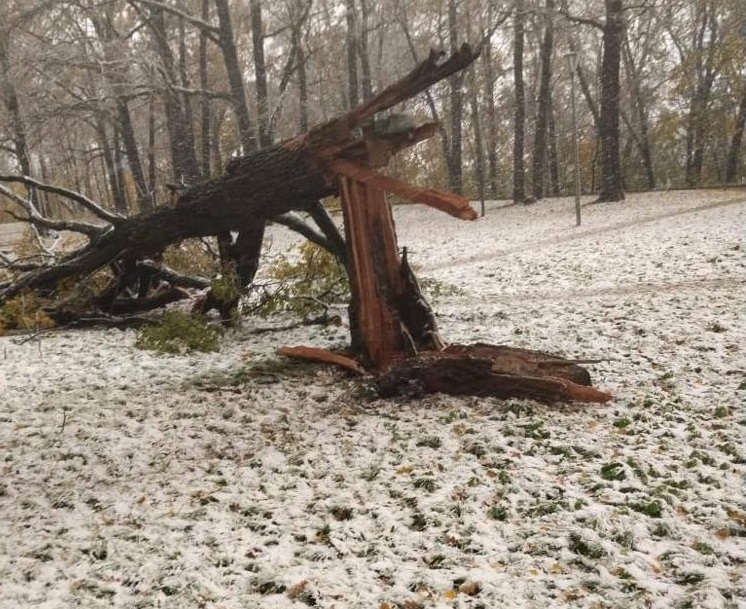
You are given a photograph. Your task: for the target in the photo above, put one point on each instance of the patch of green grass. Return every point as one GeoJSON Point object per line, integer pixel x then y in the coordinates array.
{"type": "Point", "coordinates": [583, 547]}
{"type": "Point", "coordinates": [728, 448]}
{"type": "Point", "coordinates": [341, 512]}
{"type": "Point", "coordinates": [624, 538]}
{"type": "Point", "coordinates": [690, 578]}
{"type": "Point", "coordinates": [653, 508]}
{"type": "Point", "coordinates": [613, 471]}
{"type": "Point", "coordinates": [426, 483]}
{"type": "Point", "coordinates": [498, 512]}
{"type": "Point", "coordinates": [661, 529]}
{"type": "Point", "coordinates": [419, 522]}
{"type": "Point", "coordinates": [703, 548]}
{"type": "Point", "coordinates": [622, 422]}
{"type": "Point", "coordinates": [535, 430]}
{"type": "Point", "coordinates": [721, 412]}
{"type": "Point", "coordinates": [565, 451]}
{"type": "Point", "coordinates": [452, 416]}
{"type": "Point", "coordinates": [430, 442]}
{"type": "Point", "coordinates": [636, 467]}
{"type": "Point", "coordinates": [520, 409]}
{"type": "Point", "coordinates": [544, 508]}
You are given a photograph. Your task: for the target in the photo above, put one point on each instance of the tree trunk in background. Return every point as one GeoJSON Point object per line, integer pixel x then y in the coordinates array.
{"type": "Point", "coordinates": [235, 77]}
{"type": "Point", "coordinates": [489, 85]}
{"type": "Point", "coordinates": [116, 79]}
{"type": "Point", "coordinates": [519, 126]}
{"type": "Point", "coordinates": [554, 179]}
{"type": "Point", "coordinates": [705, 47]}
{"type": "Point", "coordinates": [539, 164]}
{"type": "Point", "coordinates": [476, 120]}
{"type": "Point", "coordinates": [353, 98]}
{"type": "Point", "coordinates": [642, 138]}
{"type": "Point", "coordinates": [181, 136]}
{"type": "Point", "coordinates": [260, 70]}
{"type": "Point", "coordinates": [204, 101]}
{"type": "Point", "coordinates": [132, 152]}
{"type": "Point", "coordinates": [455, 152]}
{"type": "Point", "coordinates": [115, 188]}
{"type": "Point", "coordinates": [734, 152]}
{"type": "Point", "coordinates": [366, 78]}
{"type": "Point", "coordinates": [13, 107]}
{"type": "Point", "coordinates": [612, 187]}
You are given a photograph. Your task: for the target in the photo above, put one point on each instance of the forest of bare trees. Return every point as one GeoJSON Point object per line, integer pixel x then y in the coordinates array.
{"type": "Point", "coordinates": [126, 100]}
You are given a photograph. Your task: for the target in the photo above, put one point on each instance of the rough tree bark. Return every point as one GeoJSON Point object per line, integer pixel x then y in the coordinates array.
{"type": "Point", "coordinates": [540, 152]}
{"type": "Point", "coordinates": [612, 188]}
{"type": "Point", "coordinates": [519, 171]}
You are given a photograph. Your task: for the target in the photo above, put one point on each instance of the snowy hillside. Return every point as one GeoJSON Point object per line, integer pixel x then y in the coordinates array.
{"type": "Point", "coordinates": [236, 480]}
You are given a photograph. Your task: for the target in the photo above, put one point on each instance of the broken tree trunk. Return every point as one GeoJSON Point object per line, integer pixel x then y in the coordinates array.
{"type": "Point", "coordinates": [393, 328]}
{"type": "Point", "coordinates": [293, 175]}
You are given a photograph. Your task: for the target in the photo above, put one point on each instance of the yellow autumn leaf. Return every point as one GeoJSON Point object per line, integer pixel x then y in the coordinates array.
{"type": "Point", "coordinates": [450, 594]}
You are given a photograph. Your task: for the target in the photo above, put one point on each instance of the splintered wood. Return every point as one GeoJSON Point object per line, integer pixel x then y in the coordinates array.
{"type": "Point", "coordinates": [373, 268]}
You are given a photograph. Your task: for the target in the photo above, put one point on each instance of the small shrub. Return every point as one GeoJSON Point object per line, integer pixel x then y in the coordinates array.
{"type": "Point", "coordinates": [179, 333]}
{"type": "Point", "coordinates": [191, 257]}
{"type": "Point", "coordinates": [307, 286]}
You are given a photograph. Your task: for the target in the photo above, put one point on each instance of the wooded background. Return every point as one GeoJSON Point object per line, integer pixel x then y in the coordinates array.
{"type": "Point", "coordinates": [119, 98]}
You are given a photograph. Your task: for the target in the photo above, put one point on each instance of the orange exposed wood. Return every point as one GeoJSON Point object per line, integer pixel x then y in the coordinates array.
{"type": "Point", "coordinates": [373, 269]}
{"type": "Point", "coordinates": [323, 355]}
{"type": "Point", "coordinates": [444, 201]}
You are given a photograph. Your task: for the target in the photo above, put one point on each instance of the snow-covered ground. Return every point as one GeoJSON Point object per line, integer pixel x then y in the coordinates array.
{"type": "Point", "coordinates": [233, 480]}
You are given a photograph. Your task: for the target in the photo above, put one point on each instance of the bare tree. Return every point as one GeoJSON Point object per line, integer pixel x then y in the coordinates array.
{"type": "Point", "coordinates": [612, 188]}
{"type": "Point", "coordinates": [260, 70]}
{"type": "Point", "coordinates": [519, 125]}
{"type": "Point", "coordinates": [541, 132]}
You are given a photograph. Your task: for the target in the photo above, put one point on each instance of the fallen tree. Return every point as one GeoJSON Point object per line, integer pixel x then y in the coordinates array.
{"type": "Point", "coordinates": [393, 329]}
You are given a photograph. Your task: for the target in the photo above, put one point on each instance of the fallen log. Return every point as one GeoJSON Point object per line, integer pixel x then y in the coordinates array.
{"type": "Point", "coordinates": [490, 371]}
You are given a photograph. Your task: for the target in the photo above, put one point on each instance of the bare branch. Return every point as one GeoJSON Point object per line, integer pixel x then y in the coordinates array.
{"type": "Point", "coordinates": [89, 204]}
{"type": "Point", "coordinates": [295, 223]}
{"type": "Point", "coordinates": [91, 230]}
{"type": "Point", "coordinates": [581, 20]}
{"type": "Point", "coordinates": [17, 265]}
{"type": "Point", "coordinates": [174, 277]}
{"type": "Point", "coordinates": [195, 21]}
